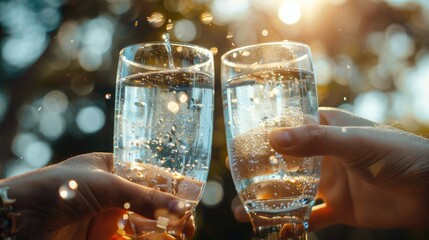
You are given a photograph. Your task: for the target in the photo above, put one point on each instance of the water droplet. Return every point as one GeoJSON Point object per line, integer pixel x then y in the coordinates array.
{"type": "Point", "coordinates": [156, 19]}
{"type": "Point", "coordinates": [127, 205]}
{"type": "Point", "coordinates": [108, 96]}
{"type": "Point", "coordinates": [136, 23]}
{"type": "Point", "coordinates": [40, 108]}
{"type": "Point", "coordinates": [230, 35]}
{"type": "Point", "coordinates": [169, 26]}
{"type": "Point", "coordinates": [343, 129]}
{"type": "Point", "coordinates": [345, 98]}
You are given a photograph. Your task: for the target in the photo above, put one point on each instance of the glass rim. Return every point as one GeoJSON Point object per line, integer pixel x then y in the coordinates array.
{"type": "Point", "coordinates": [196, 47]}
{"type": "Point", "coordinates": [228, 63]}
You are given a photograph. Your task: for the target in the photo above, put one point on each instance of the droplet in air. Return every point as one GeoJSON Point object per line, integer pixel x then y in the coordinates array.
{"type": "Point", "coordinates": [206, 18]}
{"type": "Point", "coordinates": [156, 19]}
{"type": "Point", "coordinates": [214, 50]}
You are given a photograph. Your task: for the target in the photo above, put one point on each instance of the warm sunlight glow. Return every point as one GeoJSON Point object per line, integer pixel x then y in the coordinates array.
{"type": "Point", "coordinates": [290, 12]}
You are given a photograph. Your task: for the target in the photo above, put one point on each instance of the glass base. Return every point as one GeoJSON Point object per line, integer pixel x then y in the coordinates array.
{"type": "Point", "coordinates": [287, 231]}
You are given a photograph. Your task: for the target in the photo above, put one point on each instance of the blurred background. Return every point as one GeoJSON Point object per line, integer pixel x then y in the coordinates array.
{"type": "Point", "coordinates": [58, 68]}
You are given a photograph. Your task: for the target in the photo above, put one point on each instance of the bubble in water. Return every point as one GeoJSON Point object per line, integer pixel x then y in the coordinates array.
{"type": "Point", "coordinates": [274, 92]}
{"type": "Point", "coordinates": [140, 104]}
{"type": "Point", "coordinates": [173, 107]}
{"type": "Point", "coordinates": [171, 145]}
{"type": "Point", "coordinates": [108, 96]}
{"type": "Point", "coordinates": [274, 160]}
{"type": "Point", "coordinates": [183, 97]}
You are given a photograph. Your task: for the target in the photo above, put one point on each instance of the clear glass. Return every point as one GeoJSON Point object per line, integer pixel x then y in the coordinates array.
{"type": "Point", "coordinates": [163, 127]}
{"type": "Point", "coordinates": [268, 86]}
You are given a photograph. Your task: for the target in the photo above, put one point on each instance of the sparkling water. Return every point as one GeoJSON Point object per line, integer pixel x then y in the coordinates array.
{"type": "Point", "coordinates": [271, 186]}
{"type": "Point", "coordinates": [163, 129]}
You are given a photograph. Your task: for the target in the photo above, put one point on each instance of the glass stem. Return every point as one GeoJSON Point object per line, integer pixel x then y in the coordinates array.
{"type": "Point", "coordinates": [290, 231]}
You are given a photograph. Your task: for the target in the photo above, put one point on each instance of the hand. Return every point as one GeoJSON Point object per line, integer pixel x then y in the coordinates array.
{"type": "Point", "coordinates": [92, 206]}
{"type": "Point", "coordinates": [372, 175]}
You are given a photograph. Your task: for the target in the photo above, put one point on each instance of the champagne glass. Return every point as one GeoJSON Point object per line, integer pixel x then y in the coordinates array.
{"type": "Point", "coordinates": [163, 127]}
{"type": "Point", "coordinates": [268, 86]}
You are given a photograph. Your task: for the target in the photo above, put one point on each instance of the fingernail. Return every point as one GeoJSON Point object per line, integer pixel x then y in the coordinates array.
{"type": "Point", "coordinates": [280, 138]}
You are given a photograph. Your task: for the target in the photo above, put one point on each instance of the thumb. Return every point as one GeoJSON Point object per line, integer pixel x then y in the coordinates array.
{"type": "Point", "coordinates": [313, 140]}
{"type": "Point", "coordinates": [361, 149]}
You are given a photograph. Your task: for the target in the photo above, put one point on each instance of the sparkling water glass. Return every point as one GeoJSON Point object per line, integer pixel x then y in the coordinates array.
{"type": "Point", "coordinates": [268, 86]}
{"type": "Point", "coordinates": [163, 127]}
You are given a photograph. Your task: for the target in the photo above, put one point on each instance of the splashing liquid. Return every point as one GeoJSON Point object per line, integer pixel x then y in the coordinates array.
{"type": "Point", "coordinates": [167, 42]}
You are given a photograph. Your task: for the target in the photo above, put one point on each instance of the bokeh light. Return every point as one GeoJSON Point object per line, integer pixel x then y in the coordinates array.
{"type": "Point", "coordinates": [90, 119]}
{"type": "Point", "coordinates": [290, 12]}
{"type": "Point", "coordinates": [213, 193]}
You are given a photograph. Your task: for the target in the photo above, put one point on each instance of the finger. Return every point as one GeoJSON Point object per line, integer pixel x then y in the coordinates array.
{"type": "Point", "coordinates": [339, 117]}
{"type": "Point", "coordinates": [145, 201]}
{"type": "Point", "coordinates": [321, 216]}
{"type": "Point", "coordinates": [96, 160]}
{"type": "Point", "coordinates": [314, 140]}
